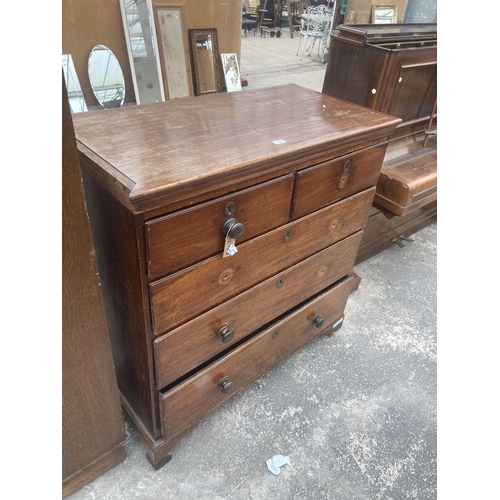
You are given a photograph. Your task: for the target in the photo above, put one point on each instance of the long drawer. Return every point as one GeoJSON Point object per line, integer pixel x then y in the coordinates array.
{"type": "Point", "coordinates": [209, 334]}
{"type": "Point", "coordinates": [183, 238]}
{"type": "Point", "coordinates": [193, 399]}
{"type": "Point", "coordinates": [176, 299]}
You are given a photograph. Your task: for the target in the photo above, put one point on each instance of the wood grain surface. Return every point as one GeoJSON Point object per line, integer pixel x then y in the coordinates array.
{"type": "Point", "coordinates": [171, 147]}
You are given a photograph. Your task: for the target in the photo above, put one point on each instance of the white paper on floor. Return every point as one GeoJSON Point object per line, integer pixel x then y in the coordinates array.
{"type": "Point", "coordinates": [274, 464]}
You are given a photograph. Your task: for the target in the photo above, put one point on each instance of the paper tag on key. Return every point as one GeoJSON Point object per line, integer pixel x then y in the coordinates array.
{"type": "Point", "coordinates": [229, 247]}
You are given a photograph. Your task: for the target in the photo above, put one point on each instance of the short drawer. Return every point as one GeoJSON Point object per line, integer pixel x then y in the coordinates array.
{"type": "Point", "coordinates": [334, 180]}
{"type": "Point", "coordinates": [195, 342]}
{"type": "Point", "coordinates": [183, 238]}
{"type": "Point", "coordinates": [188, 402]}
{"type": "Point", "coordinates": [188, 293]}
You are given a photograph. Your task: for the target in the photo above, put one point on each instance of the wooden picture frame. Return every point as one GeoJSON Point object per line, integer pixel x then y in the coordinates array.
{"type": "Point", "coordinates": [205, 61]}
{"type": "Point", "coordinates": [384, 14]}
{"type": "Point", "coordinates": [350, 17]}
{"type": "Point", "coordinates": [231, 70]}
{"type": "Point", "coordinates": [173, 50]}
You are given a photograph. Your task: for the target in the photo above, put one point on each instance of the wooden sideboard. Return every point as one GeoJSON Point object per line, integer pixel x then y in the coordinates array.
{"type": "Point", "coordinates": [392, 68]}
{"type": "Point", "coordinates": [93, 431]}
{"type": "Point", "coordinates": [226, 231]}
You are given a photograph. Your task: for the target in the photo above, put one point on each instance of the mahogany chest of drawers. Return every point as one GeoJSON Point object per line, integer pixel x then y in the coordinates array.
{"type": "Point", "coordinates": [226, 228]}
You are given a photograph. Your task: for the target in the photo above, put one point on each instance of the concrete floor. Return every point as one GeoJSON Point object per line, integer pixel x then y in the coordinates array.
{"type": "Point", "coordinates": [356, 413]}
{"type": "Point", "coordinates": [267, 61]}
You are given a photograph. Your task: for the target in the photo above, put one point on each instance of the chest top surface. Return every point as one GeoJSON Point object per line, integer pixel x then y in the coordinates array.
{"type": "Point", "coordinates": [195, 142]}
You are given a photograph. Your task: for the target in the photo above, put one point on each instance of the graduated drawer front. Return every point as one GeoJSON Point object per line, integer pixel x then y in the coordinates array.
{"type": "Point", "coordinates": [326, 183]}
{"type": "Point", "coordinates": [195, 342]}
{"type": "Point", "coordinates": [193, 399]}
{"type": "Point", "coordinates": [192, 235]}
{"type": "Point", "coordinates": [188, 293]}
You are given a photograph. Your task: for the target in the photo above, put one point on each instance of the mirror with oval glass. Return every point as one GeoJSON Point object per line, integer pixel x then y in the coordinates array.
{"type": "Point", "coordinates": [106, 77]}
{"type": "Point", "coordinates": [205, 61]}
{"type": "Point", "coordinates": [140, 35]}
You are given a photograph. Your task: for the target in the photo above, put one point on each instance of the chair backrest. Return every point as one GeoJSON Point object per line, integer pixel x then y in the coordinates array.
{"type": "Point", "coordinates": [318, 20]}
{"type": "Point", "coordinates": [321, 10]}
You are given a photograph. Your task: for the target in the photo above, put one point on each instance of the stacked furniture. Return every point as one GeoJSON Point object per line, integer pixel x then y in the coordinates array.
{"type": "Point", "coordinates": [224, 244]}
{"type": "Point", "coordinates": [392, 68]}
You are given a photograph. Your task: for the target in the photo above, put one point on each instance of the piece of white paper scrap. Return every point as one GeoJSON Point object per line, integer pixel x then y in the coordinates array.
{"type": "Point", "coordinates": [274, 464]}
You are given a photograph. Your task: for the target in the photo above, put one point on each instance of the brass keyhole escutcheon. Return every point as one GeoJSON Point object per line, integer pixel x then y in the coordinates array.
{"type": "Point", "coordinates": [276, 333]}
{"type": "Point", "coordinates": [230, 209]}
{"type": "Point", "coordinates": [288, 234]}
{"type": "Point", "coordinates": [280, 282]}
{"type": "Point", "coordinates": [345, 174]}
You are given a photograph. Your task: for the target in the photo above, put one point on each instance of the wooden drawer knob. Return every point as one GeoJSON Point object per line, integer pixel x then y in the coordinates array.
{"type": "Point", "coordinates": [225, 333]}
{"type": "Point", "coordinates": [226, 385]}
{"type": "Point", "coordinates": [232, 228]}
{"type": "Point", "coordinates": [318, 321]}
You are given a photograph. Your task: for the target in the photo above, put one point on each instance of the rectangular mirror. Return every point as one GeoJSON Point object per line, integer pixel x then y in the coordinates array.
{"type": "Point", "coordinates": [231, 72]}
{"type": "Point", "coordinates": [384, 14]}
{"type": "Point", "coordinates": [205, 61]}
{"type": "Point", "coordinates": [75, 95]}
{"type": "Point", "coordinates": [139, 30]}
{"type": "Point", "coordinates": [173, 50]}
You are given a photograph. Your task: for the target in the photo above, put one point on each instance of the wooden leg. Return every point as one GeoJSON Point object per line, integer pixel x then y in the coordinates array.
{"type": "Point", "coordinates": [357, 281]}
{"type": "Point", "coordinates": [161, 463]}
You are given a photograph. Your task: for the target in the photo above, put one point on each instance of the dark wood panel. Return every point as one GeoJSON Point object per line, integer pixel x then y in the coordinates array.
{"type": "Point", "coordinates": [416, 91]}
{"type": "Point", "coordinates": [394, 79]}
{"type": "Point", "coordinates": [177, 298]}
{"type": "Point", "coordinates": [93, 431]}
{"type": "Point", "coordinates": [184, 405]}
{"type": "Point", "coordinates": [189, 236]}
{"type": "Point", "coordinates": [248, 311]}
{"type": "Point", "coordinates": [116, 235]}
{"type": "Point", "coordinates": [347, 70]}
